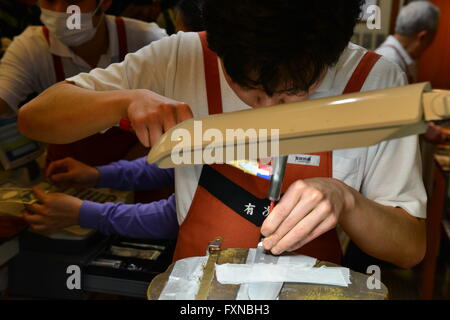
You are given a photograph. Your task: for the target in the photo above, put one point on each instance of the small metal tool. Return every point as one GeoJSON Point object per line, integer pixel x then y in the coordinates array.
{"type": "Point", "coordinates": [214, 249]}
{"type": "Point", "coordinates": [276, 181]}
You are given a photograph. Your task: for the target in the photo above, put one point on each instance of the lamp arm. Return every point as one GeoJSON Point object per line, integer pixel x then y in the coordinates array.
{"type": "Point", "coordinates": [436, 105]}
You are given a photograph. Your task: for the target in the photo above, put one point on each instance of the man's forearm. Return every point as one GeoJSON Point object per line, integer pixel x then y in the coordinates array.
{"type": "Point", "coordinates": [387, 233]}
{"type": "Point", "coordinates": [65, 113]}
{"type": "Point", "coordinates": [155, 220]}
{"type": "Point", "coordinates": [134, 175]}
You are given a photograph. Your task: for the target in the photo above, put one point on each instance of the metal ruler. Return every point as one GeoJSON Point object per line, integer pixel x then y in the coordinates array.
{"type": "Point", "coordinates": [208, 270]}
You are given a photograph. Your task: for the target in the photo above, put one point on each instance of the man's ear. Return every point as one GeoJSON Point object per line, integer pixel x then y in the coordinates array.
{"type": "Point", "coordinates": [422, 35]}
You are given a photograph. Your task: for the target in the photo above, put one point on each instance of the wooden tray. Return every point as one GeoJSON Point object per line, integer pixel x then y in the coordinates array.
{"type": "Point", "coordinates": [358, 289]}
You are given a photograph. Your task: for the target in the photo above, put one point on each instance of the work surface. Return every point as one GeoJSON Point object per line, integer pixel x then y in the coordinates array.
{"type": "Point", "coordinates": [358, 290]}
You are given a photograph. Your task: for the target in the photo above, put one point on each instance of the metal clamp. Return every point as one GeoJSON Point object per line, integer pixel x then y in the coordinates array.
{"type": "Point", "coordinates": [215, 246]}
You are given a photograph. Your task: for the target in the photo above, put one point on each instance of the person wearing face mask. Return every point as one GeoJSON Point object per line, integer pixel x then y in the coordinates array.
{"type": "Point", "coordinates": [57, 23]}
{"type": "Point", "coordinates": [154, 220]}
{"type": "Point", "coordinates": [254, 54]}
{"type": "Point", "coordinates": [44, 55]}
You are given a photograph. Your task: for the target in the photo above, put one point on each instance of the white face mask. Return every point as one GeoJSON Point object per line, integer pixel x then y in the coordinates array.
{"type": "Point", "coordinates": [56, 22]}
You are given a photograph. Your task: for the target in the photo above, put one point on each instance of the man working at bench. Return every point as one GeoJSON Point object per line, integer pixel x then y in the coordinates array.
{"type": "Point", "coordinates": [269, 53]}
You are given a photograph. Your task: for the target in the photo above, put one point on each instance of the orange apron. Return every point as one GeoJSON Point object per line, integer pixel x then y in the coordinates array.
{"type": "Point", "coordinates": [232, 204]}
{"type": "Point", "coordinates": [98, 149]}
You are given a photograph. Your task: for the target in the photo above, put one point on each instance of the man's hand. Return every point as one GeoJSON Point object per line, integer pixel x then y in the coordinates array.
{"type": "Point", "coordinates": [70, 172]}
{"type": "Point", "coordinates": [308, 209]}
{"type": "Point", "coordinates": [151, 115]}
{"type": "Point", "coordinates": [91, 111]}
{"type": "Point", "coordinates": [435, 134]}
{"type": "Point", "coordinates": [53, 212]}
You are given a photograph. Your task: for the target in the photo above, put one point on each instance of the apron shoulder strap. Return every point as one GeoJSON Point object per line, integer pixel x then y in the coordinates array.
{"type": "Point", "coordinates": [399, 54]}
{"type": "Point", "coordinates": [361, 72]}
{"type": "Point", "coordinates": [405, 65]}
{"type": "Point", "coordinates": [46, 34]}
{"type": "Point", "coordinates": [212, 77]}
{"type": "Point", "coordinates": [122, 36]}
{"type": "Point", "coordinates": [57, 62]}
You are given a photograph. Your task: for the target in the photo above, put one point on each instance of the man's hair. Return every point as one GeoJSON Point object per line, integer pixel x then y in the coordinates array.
{"type": "Point", "coordinates": [416, 17]}
{"type": "Point", "coordinates": [281, 46]}
{"type": "Point", "coordinates": [191, 12]}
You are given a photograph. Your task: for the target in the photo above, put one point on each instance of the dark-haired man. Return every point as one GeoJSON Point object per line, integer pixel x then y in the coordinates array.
{"type": "Point", "coordinates": [270, 52]}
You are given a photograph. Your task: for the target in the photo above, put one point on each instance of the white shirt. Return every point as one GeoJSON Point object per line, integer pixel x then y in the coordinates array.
{"type": "Point", "coordinates": [399, 56]}
{"type": "Point", "coordinates": [27, 66]}
{"type": "Point", "coordinates": [388, 173]}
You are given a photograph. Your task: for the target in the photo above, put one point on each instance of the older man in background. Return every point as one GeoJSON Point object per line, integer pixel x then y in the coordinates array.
{"type": "Point", "coordinates": [415, 31]}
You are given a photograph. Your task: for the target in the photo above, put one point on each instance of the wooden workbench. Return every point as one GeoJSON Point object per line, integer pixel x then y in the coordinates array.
{"type": "Point", "coordinates": [358, 289]}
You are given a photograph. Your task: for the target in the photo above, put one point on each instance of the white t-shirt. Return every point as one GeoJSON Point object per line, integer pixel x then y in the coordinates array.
{"type": "Point", "coordinates": [399, 56]}
{"type": "Point", "coordinates": [388, 173]}
{"type": "Point", "coordinates": [27, 66]}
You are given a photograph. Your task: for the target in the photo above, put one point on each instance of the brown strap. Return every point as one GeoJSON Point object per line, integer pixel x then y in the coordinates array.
{"type": "Point", "coordinates": [212, 77]}
{"type": "Point", "coordinates": [399, 54]}
{"type": "Point", "coordinates": [122, 36]}
{"type": "Point", "coordinates": [361, 72]}
{"type": "Point", "coordinates": [46, 34]}
{"type": "Point", "coordinates": [57, 61]}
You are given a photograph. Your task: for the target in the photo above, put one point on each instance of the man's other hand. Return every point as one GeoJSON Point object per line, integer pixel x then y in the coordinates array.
{"type": "Point", "coordinates": [70, 172]}
{"type": "Point", "coordinates": [53, 212]}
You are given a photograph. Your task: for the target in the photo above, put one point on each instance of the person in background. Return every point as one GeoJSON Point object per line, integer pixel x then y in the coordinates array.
{"type": "Point", "coordinates": [166, 17]}
{"type": "Point", "coordinates": [137, 220]}
{"type": "Point", "coordinates": [15, 16]}
{"type": "Point", "coordinates": [154, 220]}
{"type": "Point", "coordinates": [415, 30]}
{"type": "Point", "coordinates": [160, 11]}
{"type": "Point", "coordinates": [189, 15]}
{"type": "Point", "coordinates": [144, 10]}
{"type": "Point", "coordinates": [44, 55]}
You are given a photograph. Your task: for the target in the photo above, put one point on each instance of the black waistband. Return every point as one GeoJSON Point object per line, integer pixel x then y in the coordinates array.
{"type": "Point", "coordinates": [235, 197]}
